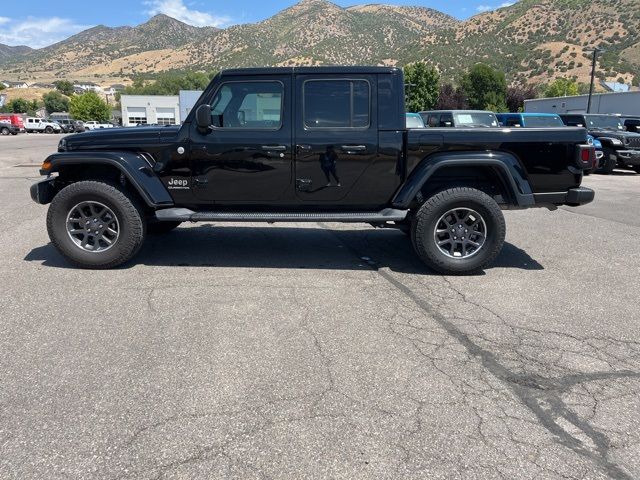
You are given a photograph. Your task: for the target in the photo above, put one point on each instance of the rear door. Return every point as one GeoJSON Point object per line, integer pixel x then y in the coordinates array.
{"type": "Point", "coordinates": [336, 134]}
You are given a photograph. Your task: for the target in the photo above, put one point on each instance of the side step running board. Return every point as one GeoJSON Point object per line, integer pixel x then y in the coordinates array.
{"type": "Point", "coordinates": [186, 215]}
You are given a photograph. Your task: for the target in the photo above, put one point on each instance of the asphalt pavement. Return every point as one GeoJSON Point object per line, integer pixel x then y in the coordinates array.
{"type": "Point", "coordinates": [294, 351]}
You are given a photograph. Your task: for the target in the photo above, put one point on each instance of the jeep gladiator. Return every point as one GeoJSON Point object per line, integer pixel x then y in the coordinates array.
{"type": "Point", "coordinates": [308, 144]}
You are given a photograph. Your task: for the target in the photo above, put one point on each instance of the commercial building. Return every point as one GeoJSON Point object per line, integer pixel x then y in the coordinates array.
{"type": "Point", "coordinates": [150, 109]}
{"type": "Point", "coordinates": [627, 103]}
{"type": "Point", "coordinates": [188, 99]}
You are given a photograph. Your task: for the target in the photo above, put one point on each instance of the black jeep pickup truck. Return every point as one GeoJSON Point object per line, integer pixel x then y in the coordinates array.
{"type": "Point", "coordinates": [314, 144]}
{"type": "Point", "coordinates": [621, 148]}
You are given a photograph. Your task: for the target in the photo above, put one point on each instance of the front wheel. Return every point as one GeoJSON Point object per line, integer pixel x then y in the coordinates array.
{"type": "Point", "coordinates": [458, 231]}
{"type": "Point", "coordinates": [5, 131]}
{"type": "Point", "coordinates": [609, 162]}
{"type": "Point", "coordinates": [48, 130]}
{"type": "Point", "coordinates": [95, 225]}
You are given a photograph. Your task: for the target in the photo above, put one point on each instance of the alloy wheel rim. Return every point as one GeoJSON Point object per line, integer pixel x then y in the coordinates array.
{"type": "Point", "coordinates": [93, 227]}
{"type": "Point", "coordinates": [460, 233]}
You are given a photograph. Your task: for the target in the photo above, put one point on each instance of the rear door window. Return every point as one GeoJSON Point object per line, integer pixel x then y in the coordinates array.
{"type": "Point", "coordinates": [336, 103]}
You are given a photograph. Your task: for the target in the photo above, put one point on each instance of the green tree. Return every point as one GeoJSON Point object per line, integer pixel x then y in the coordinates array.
{"type": "Point", "coordinates": [65, 87]}
{"type": "Point", "coordinates": [54, 101]}
{"type": "Point", "coordinates": [20, 105]}
{"type": "Point", "coordinates": [2, 87]}
{"type": "Point", "coordinates": [423, 86]}
{"type": "Point", "coordinates": [89, 106]}
{"type": "Point", "coordinates": [486, 88]}
{"type": "Point", "coordinates": [561, 87]}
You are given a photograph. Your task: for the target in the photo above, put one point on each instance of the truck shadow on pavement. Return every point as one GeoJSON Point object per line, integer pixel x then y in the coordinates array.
{"type": "Point", "coordinates": [284, 247]}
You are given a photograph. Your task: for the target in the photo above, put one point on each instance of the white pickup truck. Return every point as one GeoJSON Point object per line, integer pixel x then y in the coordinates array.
{"type": "Point", "coordinates": [35, 124]}
{"type": "Point", "coordinates": [93, 125]}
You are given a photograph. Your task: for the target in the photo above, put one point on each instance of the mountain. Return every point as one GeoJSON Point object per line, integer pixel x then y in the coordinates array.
{"type": "Point", "coordinates": [7, 52]}
{"type": "Point", "coordinates": [85, 52]}
{"type": "Point", "coordinates": [532, 41]}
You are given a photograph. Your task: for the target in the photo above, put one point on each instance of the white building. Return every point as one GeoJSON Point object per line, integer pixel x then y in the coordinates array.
{"type": "Point", "coordinates": [150, 109]}
{"type": "Point", "coordinates": [627, 103]}
{"type": "Point", "coordinates": [188, 99]}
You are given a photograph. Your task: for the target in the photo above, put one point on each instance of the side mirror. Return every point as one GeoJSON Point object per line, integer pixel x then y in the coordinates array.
{"type": "Point", "coordinates": [203, 117]}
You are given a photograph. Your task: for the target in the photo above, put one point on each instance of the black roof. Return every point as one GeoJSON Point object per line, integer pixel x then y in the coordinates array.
{"type": "Point", "coordinates": [356, 70]}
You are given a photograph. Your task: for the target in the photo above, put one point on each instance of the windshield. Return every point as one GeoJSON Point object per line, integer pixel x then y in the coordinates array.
{"type": "Point", "coordinates": [414, 121]}
{"type": "Point", "coordinates": [475, 119]}
{"type": "Point", "coordinates": [543, 121]}
{"type": "Point", "coordinates": [605, 122]}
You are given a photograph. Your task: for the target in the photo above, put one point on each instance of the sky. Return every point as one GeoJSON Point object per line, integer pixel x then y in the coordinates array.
{"type": "Point", "coordinates": [38, 24]}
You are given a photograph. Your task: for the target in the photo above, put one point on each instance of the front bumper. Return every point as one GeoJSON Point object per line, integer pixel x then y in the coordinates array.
{"type": "Point", "coordinates": [574, 197]}
{"type": "Point", "coordinates": [43, 191]}
{"type": "Point", "coordinates": [630, 157]}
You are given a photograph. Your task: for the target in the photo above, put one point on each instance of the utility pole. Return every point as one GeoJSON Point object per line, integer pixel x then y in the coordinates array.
{"type": "Point", "coordinates": [596, 50]}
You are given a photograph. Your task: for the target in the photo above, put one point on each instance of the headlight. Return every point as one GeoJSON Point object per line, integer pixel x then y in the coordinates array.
{"type": "Point", "coordinates": [62, 145]}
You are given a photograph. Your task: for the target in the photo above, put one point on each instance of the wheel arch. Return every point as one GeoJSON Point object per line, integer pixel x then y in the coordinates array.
{"type": "Point", "coordinates": [116, 166]}
{"type": "Point", "coordinates": [433, 170]}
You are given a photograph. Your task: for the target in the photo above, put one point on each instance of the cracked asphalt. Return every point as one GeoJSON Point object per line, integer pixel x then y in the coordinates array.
{"type": "Point", "coordinates": [321, 351]}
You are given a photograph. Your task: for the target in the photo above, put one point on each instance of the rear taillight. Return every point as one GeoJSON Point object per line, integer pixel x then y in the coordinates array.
{"type": "Point", "coordinates": [586, 157]}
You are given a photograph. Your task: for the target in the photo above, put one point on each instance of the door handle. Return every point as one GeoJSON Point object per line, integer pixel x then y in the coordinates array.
{"type": "Point", "coordinates": [353, 148]}
{"type": "Point", "coordinates": [304, 148]}
{"type": "Point", "coordinates": [274, 148]}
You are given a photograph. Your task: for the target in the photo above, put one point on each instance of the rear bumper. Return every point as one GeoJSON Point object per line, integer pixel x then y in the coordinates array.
{"type": "Point", "coordinates": [574, 197]}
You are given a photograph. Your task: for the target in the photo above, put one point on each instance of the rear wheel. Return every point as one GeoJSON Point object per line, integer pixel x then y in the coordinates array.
{"type": "Point", "coordinates": [636, 168]}
{"type": "Point", "coordinates": [458, 231]}
{"type": "Point", "coordinates": [95, 225]}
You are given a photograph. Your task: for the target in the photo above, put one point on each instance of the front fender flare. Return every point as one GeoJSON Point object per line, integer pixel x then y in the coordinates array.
{"type": "Point", "coordinates": [133, 166]}
{"type": "Point", "coordinates": [505, 165]}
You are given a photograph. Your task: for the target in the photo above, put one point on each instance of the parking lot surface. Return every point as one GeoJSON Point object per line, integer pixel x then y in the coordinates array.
{"type": "Point", "coordinates": [321, 350]}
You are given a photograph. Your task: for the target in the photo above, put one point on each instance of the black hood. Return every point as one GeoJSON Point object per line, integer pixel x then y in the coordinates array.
{"type": "Point", "coordinates": [115, 138]}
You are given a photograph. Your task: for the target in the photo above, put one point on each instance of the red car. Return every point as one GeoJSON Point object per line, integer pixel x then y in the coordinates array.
{"type": "Point", "coordinates": [13, 119]}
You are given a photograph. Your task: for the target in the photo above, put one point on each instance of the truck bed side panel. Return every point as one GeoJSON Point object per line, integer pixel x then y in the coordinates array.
{"type": "Point", "coordinates": [545, 155]}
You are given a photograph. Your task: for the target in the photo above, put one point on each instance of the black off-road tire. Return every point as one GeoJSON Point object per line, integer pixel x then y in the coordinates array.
{"type": "Point", "coordinates": [132, 225]}
{"type": "Point", "coordinates": [636, 168]}
{"type": "Point", "coordinates": [48, 130]}
{"type": "Point", "coordinates": [609, 162]}
{"type": "Point", "coordinates": [426, 220]}
{"type": "Point", "coordinates": [157, 228]}
{"type": "Point", "coordinates": [5, 131]}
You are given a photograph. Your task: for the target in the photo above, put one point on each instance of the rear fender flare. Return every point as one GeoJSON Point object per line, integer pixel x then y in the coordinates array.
{"type": "Point", "coordinates": [133, 166]}
{"type": "Point", "coordinates": [505, 165]}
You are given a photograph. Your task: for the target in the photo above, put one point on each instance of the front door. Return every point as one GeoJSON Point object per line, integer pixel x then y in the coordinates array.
{"type": "Point", "coordinates": [336, 134]}
{"type": "Point", "coordinates": [246, 158]}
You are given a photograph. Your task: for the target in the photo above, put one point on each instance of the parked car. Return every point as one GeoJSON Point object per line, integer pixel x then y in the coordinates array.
{"type": "Point", "coordinates": [529, 120]}
{"type": "Point", "coordinates": [546, 120]}
{"type": "Point", "coordinates": [13, 119]}
{"type": "Point", "coordinates": [459, 119]}
{"type": "Point", "coordinates": [35, 124]}
{"type": "Point", "coordinates": [78, 126]}
{"type": "Point", "coordinates": [92, 125]}
{"type": "Point", "coordinates": [632, 124]}
{"type": "Point", "coordinates": [66, 127]}
{"type": "Point", "coordinates": [620, 148]}
{"type": "Point", "coordinates": [353, 160]}
{"type": "Point", "coordinates": [67, 124]}
{"type": "Point", "coordinates": [414, 120]}
{"type": "Point", "coordinates": [7, 128]}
